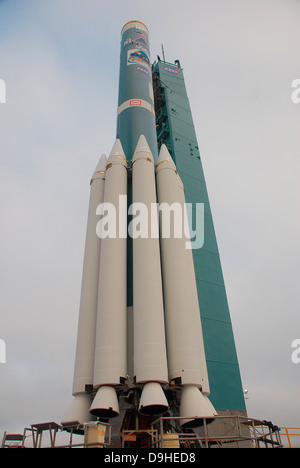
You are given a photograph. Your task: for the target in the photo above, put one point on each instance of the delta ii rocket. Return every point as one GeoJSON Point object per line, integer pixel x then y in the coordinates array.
{"type": "Point", "coordinates": [139, 335]}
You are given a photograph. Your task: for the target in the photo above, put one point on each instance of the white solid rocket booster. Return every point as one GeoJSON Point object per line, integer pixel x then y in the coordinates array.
{"type": "Point", "coordinates": [191, 282]}
{"type": "Point", "coordinates": [85, 348]}
{"type": "Point", "coordinates": [187, 366]}
{"type": "Point", "coordinates": [190, 393]}
{"type": "Point", "coordinates": [150, 359]}
{"type": "Point", "coordinates": [110, 349]}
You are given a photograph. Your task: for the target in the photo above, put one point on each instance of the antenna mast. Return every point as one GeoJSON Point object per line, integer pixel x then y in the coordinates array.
{"type": "Point", "coordinates": [163, 52]}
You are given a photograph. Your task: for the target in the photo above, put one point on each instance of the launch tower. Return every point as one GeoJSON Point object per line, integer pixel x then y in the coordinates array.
{"type": "Point", "coordinates": [175, 129]}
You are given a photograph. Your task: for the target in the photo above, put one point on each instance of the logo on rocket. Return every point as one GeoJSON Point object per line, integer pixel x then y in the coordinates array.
{"type": "Point", "coordinates": [138, 56]}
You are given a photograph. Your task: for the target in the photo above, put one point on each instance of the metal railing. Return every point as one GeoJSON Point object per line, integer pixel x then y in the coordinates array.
{"type": "Point", "coordinates": [165, 432]}
{"type": "Point", "coordinates": [240, 432]}
{"type": "Point", "coordinates": [290, 436]}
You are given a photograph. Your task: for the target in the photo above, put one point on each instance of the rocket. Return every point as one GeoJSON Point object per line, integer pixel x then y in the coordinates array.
{"type": "Point", "coordinates": [139, 327]}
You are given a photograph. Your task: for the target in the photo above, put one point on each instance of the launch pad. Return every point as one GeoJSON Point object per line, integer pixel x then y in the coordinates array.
{"type": "Point", "coordinates": [164, 434]}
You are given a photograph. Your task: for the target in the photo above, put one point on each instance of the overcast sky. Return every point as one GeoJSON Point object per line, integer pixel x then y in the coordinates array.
{"type": "Point", "coordinates": [60, 62]}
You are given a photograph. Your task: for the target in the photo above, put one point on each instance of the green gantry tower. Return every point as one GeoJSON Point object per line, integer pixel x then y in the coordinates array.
{"type": "Point", "coordinates": [175, 128]}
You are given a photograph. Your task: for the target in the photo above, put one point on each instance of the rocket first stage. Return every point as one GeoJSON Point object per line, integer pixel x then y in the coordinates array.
{"type": "Point", "coordinates": [150, 346]}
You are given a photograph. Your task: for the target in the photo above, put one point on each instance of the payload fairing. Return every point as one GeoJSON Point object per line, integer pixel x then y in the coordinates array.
{"type": "Point", "coordinates": [139, 321]}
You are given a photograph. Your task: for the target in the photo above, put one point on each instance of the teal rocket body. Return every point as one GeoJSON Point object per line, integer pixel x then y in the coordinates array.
{"type": "Point", "coordinates": [136, 115]}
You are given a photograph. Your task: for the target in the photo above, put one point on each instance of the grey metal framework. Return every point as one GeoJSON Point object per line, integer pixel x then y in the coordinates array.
{"type": "Point", "coordinates": [165, 432]}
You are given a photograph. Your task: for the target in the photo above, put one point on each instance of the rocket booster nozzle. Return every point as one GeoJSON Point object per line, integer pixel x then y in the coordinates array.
{"type": "Point", "coordinates": [78, 412]}
{"type": "Point", "coordinates": [153, 399]}
{"type": "Point", "coordinates": [105, 403]}
{"type": "Point", "coordinates": [195, 406]}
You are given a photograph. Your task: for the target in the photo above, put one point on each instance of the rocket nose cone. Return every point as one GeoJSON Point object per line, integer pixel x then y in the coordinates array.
{"type": "Point", "coordinates": [117, 155]}
{"type": "Point", "coordinates": [99, 172]}
{"type": "Point", "coordinates": [134, 24]}
{"type": "Point", "coordinates": [142, 150]}
{"type": "Point", "coordinates": [102, 163]}
{"type": "Point", "coordinates": [142, 145]}
{"type": "Point", "coordinates": [164, 154]}
{"type": "Point", "coordinates": [165, 160]}
{"type": "Point", "coordinates": [117, 149]}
